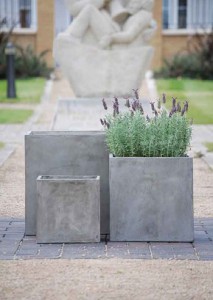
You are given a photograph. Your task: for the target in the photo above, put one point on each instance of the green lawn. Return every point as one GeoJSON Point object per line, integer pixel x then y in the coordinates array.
{"type": "Point", "coordinates": [1, 145]}
{"type": "Point", "coordinates": [28, 90]}
{"type": "Point", "coordinates": [199, 94]}
{"type": "Point", "coordinates": [209, 147]}
{"type": "Point", "coordinates": [14, 116]}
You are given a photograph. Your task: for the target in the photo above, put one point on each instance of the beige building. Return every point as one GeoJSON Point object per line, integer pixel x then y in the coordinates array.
{"type": "Point", "coordinates": [38, 21]}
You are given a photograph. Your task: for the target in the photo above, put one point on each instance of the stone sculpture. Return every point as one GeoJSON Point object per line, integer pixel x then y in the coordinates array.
{"type": "Point", "coordinates": [105, 49]}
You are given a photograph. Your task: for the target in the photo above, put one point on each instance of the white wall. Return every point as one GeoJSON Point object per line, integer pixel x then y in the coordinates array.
{"type": "Point", "coordinates": [62, 16]}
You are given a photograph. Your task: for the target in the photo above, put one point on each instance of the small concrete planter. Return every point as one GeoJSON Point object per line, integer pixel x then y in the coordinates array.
{"type": "Point", "coordinates": [151, 199]}
{"type": "Point", "coordinates": [79, 153]}
{"type": "Point", "coordinates": [68, 209]}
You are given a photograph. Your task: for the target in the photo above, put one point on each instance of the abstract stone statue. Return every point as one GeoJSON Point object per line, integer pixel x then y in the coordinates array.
{"type": "Point", "coordinates": [105, 49]}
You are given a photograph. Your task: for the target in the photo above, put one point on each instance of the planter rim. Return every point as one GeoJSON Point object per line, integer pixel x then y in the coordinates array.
{"type": "Point", "coordinates": [67, 178]}
{"type": "Point", "coordinates": [66, 132]}
{"type": "Point", "coordinates": [149, 157]}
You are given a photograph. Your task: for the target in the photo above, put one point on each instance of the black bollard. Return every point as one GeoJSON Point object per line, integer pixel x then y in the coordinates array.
{"type": "Point", "coordinates": [10, 54]}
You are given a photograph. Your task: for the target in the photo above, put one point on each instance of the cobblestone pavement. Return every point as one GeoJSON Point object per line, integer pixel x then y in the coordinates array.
{"type": "Point", "coordinates": [14, 245]}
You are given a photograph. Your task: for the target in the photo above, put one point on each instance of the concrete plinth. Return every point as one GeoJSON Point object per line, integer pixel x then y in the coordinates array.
{"type": "Point", "coordinates": [68, 209]}
{"type": "Point", "coordinates": [65, 153]}
{"type": "Point", "coordinates": [151, 199]}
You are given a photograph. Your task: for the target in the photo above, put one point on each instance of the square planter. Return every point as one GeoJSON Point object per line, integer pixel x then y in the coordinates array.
{"type": "Point", "coordinates": [68, 209]}
{"type": "Point", "coordinates": [151, 199]}
{"type": "Point", "coordinates": [65, 153]}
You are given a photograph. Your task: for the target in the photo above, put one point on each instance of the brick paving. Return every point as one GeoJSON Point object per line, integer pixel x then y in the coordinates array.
{"type": "Point", "coordinates": [14, 245]}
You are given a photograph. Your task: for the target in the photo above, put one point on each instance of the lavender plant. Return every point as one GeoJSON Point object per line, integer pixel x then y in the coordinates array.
{"type": "Point", "coordinates": [134, 134]}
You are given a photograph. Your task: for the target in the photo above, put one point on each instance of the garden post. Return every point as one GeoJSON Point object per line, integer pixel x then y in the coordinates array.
{"type": "Point", "coordinates": [10, 54]}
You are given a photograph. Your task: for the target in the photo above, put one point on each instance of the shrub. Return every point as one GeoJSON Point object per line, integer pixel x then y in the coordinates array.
{"type": "Point", "coordinates": [30, 64]}
{"type": "Point", "coordinates": [132, 134]}
{"type": "Point", "coordinates": [196, 63]}
{"type": "Point", "coordinates": [188, 66]}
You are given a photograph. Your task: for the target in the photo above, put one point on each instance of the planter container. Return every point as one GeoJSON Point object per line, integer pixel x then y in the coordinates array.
{"type": "Point", "coordinates": [151, 199]}
{"type": "Point", "coordinates": [65, 153]}
{"type": "Point", "coordinates": [68, 209]}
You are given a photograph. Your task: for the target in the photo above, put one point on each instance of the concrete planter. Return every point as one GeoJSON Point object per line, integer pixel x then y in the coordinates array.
{"type": "Point", "coordinates": [68, 209]}
{"type": "Point", "coordinates": [65, 153]}
{"type": "Point", "coordinates": [151, 199]}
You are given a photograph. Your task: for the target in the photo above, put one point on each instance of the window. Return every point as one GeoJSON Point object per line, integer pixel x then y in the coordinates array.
{"type": "Point", "coordinates": [166, 14]}
{"type": "Point", "coordinates": [25, 13]}
{"type": "Point", "coordinates": [187, 14]}
{"type": "Point", "coordinates": [19, 13]}
{"type": "Point", "coordinates": [182, 14]}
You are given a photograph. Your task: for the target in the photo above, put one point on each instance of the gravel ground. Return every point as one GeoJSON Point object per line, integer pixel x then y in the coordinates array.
{"type": "Point", "coordinates": [113, 279]}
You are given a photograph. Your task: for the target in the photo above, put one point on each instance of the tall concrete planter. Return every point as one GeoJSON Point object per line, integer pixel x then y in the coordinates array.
{"type": "Point", "coordinates": [65, 153]}
{"type": "Point", "coordinates": [68, 209]}
{"type": "Point", "coordinates": [151, 199]}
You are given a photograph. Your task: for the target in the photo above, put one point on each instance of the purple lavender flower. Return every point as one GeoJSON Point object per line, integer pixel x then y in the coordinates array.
{"type": "Point", "coordinates": [141, 108]}
{"type": "Point", "coordinates": [132, 113]}
{"type": "Point", "coordinates": [148, 118]}
{"type": "Point", "coordinates": [152, 106]}
{"type": "Point", "coordinates": [116, 107]}
{"type": "Point", "coordinates": [136, 94]}
{"type": "Point", "coordinates": [178, 107]}
{"type": "Point", "coordinates": [116, 101]}
{"type": "Point", "coordinates": [127, 104]}
{"type": "Point", "coordinates": [183, 111]}
{"type": "Point", "coordinates": [104, 104]}
{"type": "Point", "coordinates": [174, 101]}
{"type": "Point", "coordinates": [164, 98]}
{"type": "Point", "coordinates": [159, 104]}
{"type": "Point", "coordinates": [134, 106]}
{"type": "Point", "coordinates": [186, 105]}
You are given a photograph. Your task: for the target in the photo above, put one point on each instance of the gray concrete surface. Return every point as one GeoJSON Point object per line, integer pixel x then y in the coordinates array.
{"type": "Point", "coordinates": [151, 199]}
{"type": "Point", "coordinates": [65, 153]}
{"type": "Point", "coordinates": [68, 209]}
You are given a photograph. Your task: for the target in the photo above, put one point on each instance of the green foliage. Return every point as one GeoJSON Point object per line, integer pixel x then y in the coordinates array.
{"type": "Point", "coordinates": [196, 63]}
{"type": "Point", "coordinates": [14, 116]}
{"type": "Point", "coordinates": [181, 66]}
{"type": "Point", "coordinates": [29, 64]}
{"type": "Point", "coordinates": [131, 134]}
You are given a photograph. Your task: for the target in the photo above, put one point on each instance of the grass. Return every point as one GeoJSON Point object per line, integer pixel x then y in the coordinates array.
{"type": "Point", "coordinates": [1, 145]}
{"type": "Point", "coordinates": [209, 147]}
{"type": "Point", "coordinates": [199, 94]}
{"type": "Point", "coordinates": [28, 90]}
{"type": "Point", "coordinates": [14, 116]}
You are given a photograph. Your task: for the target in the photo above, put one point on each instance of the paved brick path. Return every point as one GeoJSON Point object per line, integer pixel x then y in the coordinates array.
{"type": "Point", "coordinates": [14, 245]}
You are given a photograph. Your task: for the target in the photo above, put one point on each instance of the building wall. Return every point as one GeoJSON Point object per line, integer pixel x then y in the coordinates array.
{"type": "Point", "coordinates": [174, 44]}
{"type": "Point", "coordinates": [25, 40]}
{"type": "Point", "coordinates": [42, 38]}
{"type": "Point", "coordinates": [45, 32]}
{"type": "Point", "coordinates": [157, 39]}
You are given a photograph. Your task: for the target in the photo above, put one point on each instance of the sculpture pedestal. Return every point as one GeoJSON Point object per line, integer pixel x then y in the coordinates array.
{"type": "Point", "coordinates": [94, 72]}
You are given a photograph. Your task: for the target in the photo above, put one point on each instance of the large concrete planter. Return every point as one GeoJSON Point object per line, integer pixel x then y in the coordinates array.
{"type": "Point", "coordinates": [68, 209]}
{"type": "Point", "coordinates": [65, 153]}
{"type": "Point", "coordinates": [151, 199]}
